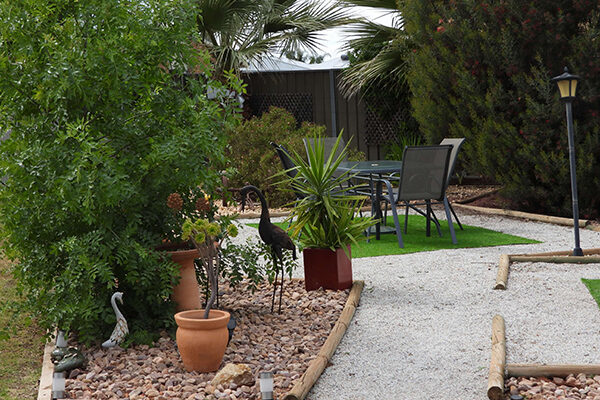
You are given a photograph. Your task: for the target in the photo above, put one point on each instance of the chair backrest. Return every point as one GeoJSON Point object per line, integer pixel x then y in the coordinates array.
{"type": "Point", "coordinates": [424, 172]}
{"type": "Point", "coordinates": [328, 143]}
{"type": "Point", "coordinates": [285, 159]}
{"type": "Point", "coordinates": [456, 144]}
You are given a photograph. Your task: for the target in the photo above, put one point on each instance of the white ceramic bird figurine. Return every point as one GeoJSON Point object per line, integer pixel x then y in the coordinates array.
{"type": "Point", "coordinates": [121, 330]}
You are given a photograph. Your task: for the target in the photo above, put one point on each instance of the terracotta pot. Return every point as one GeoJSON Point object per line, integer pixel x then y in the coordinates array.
{"type": "Point", "coordinates": [202, 342]}
{"type": "Point", "coordinates": [327, 269]}
{"type": "Point", "coordinates": [187, 292]}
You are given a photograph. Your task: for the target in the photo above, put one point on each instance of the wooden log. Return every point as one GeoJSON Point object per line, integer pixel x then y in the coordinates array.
{"type": "Point", "coordinates": [502, 276]}
{"type": "Point", "coordinates": [477, 197]}
{"type": "Point", "coordinates": [520, 214]}
{"type": "Point", "coordinates": [316, 366]}
{"type": "Point", "coordinates": [498, 360]}
{"type": "Point", "coordinates": [45, 387]}
{"type": "Point", "coordinates": [557, 259]}
{"type": "Point", "coordinates": [586, 252]}
{"type": "Point", "coordinates": [560, 370]}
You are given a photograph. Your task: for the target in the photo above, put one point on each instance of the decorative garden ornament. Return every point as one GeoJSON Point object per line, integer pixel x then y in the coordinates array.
{"type": "Point", "coordinates": [121, 330]}
{"type": "Point", "coordinates": [272, 235]}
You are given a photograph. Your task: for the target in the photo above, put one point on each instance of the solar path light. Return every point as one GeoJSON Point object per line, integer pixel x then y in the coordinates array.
{"type": "Point", "coordinates": [567, 85]}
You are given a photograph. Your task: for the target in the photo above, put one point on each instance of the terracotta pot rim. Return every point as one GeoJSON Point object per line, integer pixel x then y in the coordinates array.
{"type": "Point", "coordinates": [194, 319]}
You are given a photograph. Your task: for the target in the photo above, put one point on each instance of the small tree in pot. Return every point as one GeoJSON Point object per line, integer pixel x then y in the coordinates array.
{"type": "Point", "coordinates": [202, 335]}
{"type": "Point", "coordinates": [325, 219]}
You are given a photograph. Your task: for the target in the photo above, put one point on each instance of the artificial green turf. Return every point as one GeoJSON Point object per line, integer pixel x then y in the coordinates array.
{"type": "Point", "coordinates": [593, 286]}
{"type": "Point", "coordinates": [416, 241]}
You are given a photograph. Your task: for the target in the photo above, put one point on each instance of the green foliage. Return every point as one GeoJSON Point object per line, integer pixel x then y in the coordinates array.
{"type": "Point", "coordinates": [482, 71]}
{"type": "Point", "coordinates": [325, 217]}
{"type": "Point", "coordinates": [395, 151]}
{"type": "Point", "coordinates": [103, 128]}
{"type": "Point", "coordinates": [255, 161]}
{"type": "Point", "coordinates": [250, 262]}
{"type": "Point", "coordinates": [239, 32]}
{"type": "Point", "coordinates": [140, 337]}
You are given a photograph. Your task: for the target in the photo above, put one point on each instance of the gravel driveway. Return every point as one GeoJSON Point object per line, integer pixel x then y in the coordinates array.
{"type": "Point", "coordinates": [422, 330]}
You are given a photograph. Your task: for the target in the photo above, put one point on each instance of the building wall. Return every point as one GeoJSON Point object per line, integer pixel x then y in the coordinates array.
{"type": "Point", "coordinates": [350, 114]}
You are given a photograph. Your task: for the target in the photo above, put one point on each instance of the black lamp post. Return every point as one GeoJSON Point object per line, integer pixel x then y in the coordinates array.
{"type": "Point", "coordinates": [567, 85]}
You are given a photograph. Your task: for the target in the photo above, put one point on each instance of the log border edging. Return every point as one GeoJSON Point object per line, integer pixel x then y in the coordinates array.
{"type": "Point", "coordinates": [318, 365]}
{"type": "Point", "coordinates": [590, 256]}
{"type": "Point", "coordinates": [495, 389]}
{"type": "Point", "coordinates": [560, 370]}
{"type": "Point", "coordinates": [521, 214]}
{"type": "Point", "coordinates": [45, 386]}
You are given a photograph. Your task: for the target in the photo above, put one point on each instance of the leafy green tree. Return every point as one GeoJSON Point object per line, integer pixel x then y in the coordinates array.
{"type": "Point", "coordinates": [104, 124]}
{"type": "Point", "coordinates": [481, 70]}
{"type": "Point", "coordinates": [236, 32]}
{"type": "Point", "coordinates": [380, 51]}
{"type": "Point", "coordinates": [378, 64]}
{"type": "Point", "coordinates": [302, 56]}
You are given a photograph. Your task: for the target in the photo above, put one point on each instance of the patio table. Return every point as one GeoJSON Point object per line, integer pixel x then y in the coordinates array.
{"type": "Point", "coordinates": [375, 170]}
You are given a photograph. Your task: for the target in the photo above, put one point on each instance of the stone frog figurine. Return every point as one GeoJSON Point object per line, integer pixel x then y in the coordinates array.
{"type": "Point", "coordinates": [66, 359]}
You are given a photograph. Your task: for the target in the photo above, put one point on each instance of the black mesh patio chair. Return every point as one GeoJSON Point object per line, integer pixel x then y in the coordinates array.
{"type": "Point", "coordinates": [456, 145]}
{"type": "Point", "coordinates": [424, 178]}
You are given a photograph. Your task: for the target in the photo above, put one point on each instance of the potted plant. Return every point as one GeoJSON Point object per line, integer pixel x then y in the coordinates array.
{"type": "Point", "coordinates": [186, 293]}
{"type": "Point", "coordinates": [325, 219]}
{"type": "Point", "coordinates": [202, 334]}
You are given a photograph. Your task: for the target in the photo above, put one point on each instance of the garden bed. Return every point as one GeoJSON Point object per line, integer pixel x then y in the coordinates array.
{"type": "Point", "coordinates": [283, 343]}
{"type": "Point", "coordinates": [581, 387]}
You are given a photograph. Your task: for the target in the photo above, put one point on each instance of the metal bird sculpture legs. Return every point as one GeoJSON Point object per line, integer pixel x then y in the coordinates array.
{"type": "Point", "coordinates": [272, 235]}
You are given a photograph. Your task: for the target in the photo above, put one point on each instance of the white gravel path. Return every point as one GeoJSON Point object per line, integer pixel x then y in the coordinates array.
{"type": "Point", "coordinates": [422, 330]}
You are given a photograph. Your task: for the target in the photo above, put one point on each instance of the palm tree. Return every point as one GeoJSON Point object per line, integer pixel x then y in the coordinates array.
{"type": "Point", "coordinates": [237, 32]}
{"type": "Point", "coordinates": [380, 51]}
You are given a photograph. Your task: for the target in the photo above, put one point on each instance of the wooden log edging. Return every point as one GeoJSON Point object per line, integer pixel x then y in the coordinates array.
{"type": "Point", "coordinates": [558, 257]}
{"type": "Point", "coordinates": [498, 360]}
{"type": "Point", "coordinates": [316, 366]}
{"type": "Point", "coordinates": [477, 197]}
{"type": "Point", "coordinates": [520, 214]}
{"type": "Point", "coordinates": [503, 267]}
{"type": "Point", "coordinates": [45, 387]}
{"type": "Point", "coordinates": [560, 370]}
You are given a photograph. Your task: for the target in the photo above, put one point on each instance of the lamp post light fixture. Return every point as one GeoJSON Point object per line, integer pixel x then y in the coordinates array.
{"type": "Point", "coordinates": [567, 85]}
{"type": "Point", "coordinates": [266, 385]}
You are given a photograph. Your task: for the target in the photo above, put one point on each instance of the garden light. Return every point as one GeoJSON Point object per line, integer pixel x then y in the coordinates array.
{"type": "Point", "coordinates": [567, 85]}
{"type": "Point", "coordinates": [60, 339]}
{"type": "Point", "coordinates": [266, 385]}
{"type": "Point", "coordinates": [58, 385]}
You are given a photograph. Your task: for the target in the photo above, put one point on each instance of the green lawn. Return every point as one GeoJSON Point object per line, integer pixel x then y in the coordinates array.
{"type": "Point", "coordinates": [593, 286]}
{"type": "Point", "coordinates": [21, 354]}
{"type": "Point", "coordinates": [416, 241]}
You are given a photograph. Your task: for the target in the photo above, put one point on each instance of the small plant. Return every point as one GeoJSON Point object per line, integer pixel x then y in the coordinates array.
{"type": "Point", "coordinates": [207, 236]}
{"type": "Point", "coordinates": [325, 217]}
{"type": "Point", "coordinates": [254, 160]}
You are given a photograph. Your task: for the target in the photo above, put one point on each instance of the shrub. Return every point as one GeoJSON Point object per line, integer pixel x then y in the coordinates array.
{"type": "Point", "coordinates": [102, 129]}
{"type": "Point", "coordinates": [253, 159]}
{"type": "Point", "coordinates": [481, 71]}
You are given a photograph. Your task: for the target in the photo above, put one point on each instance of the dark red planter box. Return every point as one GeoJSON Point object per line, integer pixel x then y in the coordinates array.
{"type": "Point", "coordinates": [327, 269]}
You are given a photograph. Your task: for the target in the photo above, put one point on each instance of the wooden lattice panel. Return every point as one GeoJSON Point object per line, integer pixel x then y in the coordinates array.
{"type": "Point", "coordinates": [382, 122]}
{"type": "Point", "coordinates": [299, 104]}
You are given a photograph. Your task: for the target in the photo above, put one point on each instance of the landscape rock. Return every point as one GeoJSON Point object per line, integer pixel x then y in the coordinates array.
{"type": "Point", "coordinates": [262, 342]}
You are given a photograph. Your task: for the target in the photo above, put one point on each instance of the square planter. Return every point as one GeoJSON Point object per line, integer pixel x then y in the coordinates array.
{"type": "Point", "coordinates": [327, 269]}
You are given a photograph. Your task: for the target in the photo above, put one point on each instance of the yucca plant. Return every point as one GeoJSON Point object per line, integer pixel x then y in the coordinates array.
{"type": "Point", "coordinates": [327, 215]}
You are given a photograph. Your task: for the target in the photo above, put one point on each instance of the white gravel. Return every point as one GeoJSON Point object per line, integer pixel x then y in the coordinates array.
{"type": "Point", "coordinates": [423, 328]}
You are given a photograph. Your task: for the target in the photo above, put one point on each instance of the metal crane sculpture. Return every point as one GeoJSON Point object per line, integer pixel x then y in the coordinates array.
{"type": "Point", "coordinates": [121, 330]}
{"type": "Point", "coordinates": [273, 236]}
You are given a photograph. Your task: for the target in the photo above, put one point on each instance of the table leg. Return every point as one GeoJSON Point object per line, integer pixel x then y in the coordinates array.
{"type": "Point", "coordinates": [378, 210]}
